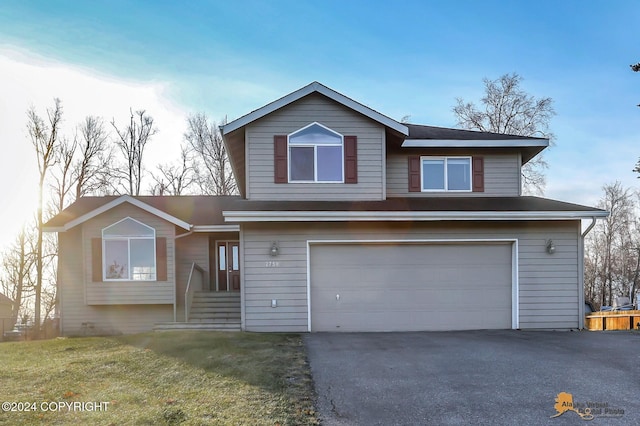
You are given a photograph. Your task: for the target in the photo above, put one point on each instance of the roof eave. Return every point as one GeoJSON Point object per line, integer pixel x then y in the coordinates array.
{"type": "Point", "coordinates": [341, 216]}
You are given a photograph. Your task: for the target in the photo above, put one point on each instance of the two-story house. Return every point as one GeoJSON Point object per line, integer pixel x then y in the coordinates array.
{"type": "Point", "coordinates": [347, 220]}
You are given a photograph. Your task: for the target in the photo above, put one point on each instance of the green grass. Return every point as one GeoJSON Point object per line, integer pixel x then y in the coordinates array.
{"type": "Point", "coordinates": [190, 378]}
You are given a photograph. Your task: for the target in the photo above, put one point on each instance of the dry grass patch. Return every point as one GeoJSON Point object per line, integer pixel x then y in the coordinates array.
{"type": "Point", "coordinates": [189, 378]}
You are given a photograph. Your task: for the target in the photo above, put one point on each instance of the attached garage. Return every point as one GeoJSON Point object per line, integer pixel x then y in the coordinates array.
{"type": "Point", "coordinates": [412, 286]}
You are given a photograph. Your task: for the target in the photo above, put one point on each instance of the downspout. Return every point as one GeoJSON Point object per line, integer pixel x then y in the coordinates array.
{"type": "Point", "coordinates": [581, 273]}
{"type": "Point", "coordinates": [175, 274]}
{"type": "Point", "coordinates": [590, 227]}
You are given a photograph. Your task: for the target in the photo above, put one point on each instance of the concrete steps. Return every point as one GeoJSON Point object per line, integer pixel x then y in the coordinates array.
{"type": "Point", "coordinates": [210, 311]}
{"type": "Point", "coordinates": [167, 326]}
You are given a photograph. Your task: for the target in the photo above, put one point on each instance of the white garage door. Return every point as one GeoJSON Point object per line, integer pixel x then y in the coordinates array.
{"type": "Point", "coordinates": [408, 287]}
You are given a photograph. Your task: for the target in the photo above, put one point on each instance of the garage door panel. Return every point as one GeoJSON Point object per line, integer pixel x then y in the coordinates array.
{"type": "Point", "coordinates": [410, 287]}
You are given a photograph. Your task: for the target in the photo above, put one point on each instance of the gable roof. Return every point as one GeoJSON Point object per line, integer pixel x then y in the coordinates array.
{"type": "Point", "coordinates": [307, 90]}
{"type": "Point", "coordinates": [185, 212]}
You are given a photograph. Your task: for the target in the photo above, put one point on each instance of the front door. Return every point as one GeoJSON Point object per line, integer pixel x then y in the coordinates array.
{"type": "Point", "coordinates": [228, 265]}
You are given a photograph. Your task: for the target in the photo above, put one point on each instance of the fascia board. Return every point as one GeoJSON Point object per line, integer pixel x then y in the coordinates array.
{"type": "Point", "coordinates": [216, 228]}
{"type": "Point", "coordinates": [125, 199]}
{"type": "Point", "coordinates": [474, 143]}
{"type": "Point", "coordinates": [333, 216]}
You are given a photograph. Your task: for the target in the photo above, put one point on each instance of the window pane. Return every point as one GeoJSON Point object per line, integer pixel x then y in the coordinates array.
{"type": "Point", "coordinates": [128, 227]}
{"type": "Point", "coordinates": [143, 261]}
{"type": "Point", "coordinates": [316, 135]}
{"type": "Point", "coordinates": [236, 258]}
{"type": "Point", "coordinates": [458, 174]}
{"type": "Point", "coordinates": [222, 257]}
{"type": "Point", "coordinates": [330, 163]}
{"type": "Point", "coordinates": [433, 174]}
{"type": "Point", "coordinates": [302, 163]}
{"type": "Point", "coordinates": [116, 259]}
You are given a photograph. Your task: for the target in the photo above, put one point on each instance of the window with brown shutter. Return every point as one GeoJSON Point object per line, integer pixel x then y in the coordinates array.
{"type": "Point", "coordinates": [414, 173]}
{"type": "Point", "coordinates": [161, 259]}
{"type": "Point", "coordinates": [478, 173]}
{"type": "Point", "coordinates": [350, 159]}
{"type": "Point", "coordinates": [96, 260]}
{"type": "Point", "coordinates": [281, 174]}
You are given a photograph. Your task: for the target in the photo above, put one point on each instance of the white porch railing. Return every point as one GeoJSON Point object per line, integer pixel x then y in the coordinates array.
{"type": "Point", "coordinates": [195, 283]}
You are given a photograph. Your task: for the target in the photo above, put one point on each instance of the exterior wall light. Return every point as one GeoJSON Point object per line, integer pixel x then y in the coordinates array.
{"type": "Point", "coordinates": [275, 250]}
{"type": "Point", "coordinates": [551, 247]}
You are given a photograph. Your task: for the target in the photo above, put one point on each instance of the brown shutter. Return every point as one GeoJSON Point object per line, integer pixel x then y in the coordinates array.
{"type": "Point", "coordinates": [96, 260]}
{"type": "Point", "coordinates": [161, 259]}
{"type": "Point", "coordinates": [281, 174]}
{"type": "Point", "coordinates": [478, 174]}
{"type": "Point", "coordinates": [350, 159]}
{"type": "Point", "coordinates": [414, 173]}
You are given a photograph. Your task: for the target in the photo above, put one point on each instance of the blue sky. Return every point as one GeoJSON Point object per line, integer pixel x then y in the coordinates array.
{"type": "Point", "coordinates": [400, 58]}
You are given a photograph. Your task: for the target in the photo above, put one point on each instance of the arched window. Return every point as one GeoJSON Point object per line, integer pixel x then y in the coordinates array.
{"type": "Point", "coordinates": [129, 251]}
{"type": "Point", "coordinates": [316, 155]}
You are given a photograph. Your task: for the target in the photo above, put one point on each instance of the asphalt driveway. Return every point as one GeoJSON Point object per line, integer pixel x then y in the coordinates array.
{"type": "Point", "coordinates": [476, 377]}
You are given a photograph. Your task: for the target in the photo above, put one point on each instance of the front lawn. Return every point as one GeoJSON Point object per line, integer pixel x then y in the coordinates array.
{"type": "Point", "coordinates": [190, 378]}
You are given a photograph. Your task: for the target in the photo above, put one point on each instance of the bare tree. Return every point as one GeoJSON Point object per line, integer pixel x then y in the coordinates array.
{"type": "Point", "coordinates": [132, 141]}
{"type": "Point", "coordinates": [45, 139]}
{"type": "Point", "coordinates": [93, 169]}
{"type": "Point", "coordinates": [610, 258]}
{"type": "Point", "coordinates": [636, 68]}
{"type": "Point", "coordinates": [62, 172]}
{"type": "Point", "coordinates": [16, 276]}
{"type": "Point", "coordinates": [508, 109]}
{"type": "Point", "coordinates": [174, 178]}
{"type": "Point", "coordinates": [212, 167]}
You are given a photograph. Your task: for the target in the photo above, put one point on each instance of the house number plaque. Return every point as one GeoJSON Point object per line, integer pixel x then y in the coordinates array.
{"type": "Point", "coordinates": [272, 264]}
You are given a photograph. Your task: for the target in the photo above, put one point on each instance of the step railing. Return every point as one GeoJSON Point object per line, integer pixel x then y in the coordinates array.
{"type": "Point", "coordinates": [195, 283]}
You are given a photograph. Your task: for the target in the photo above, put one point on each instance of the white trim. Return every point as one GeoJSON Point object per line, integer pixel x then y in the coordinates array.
{"type": "Point", "coordinates": [243, 296]}
{"type": "Point", "coordinates": [115, 236]}
{"type": "Point", "coordinates": [475, 143]}
{"type": "Point", "coordinates": [515, 294]}
{"type": "Point", "coordinates": [114, 203]}
{"type": "Point", "coordinates": [311, 88]}
{"type": "Point", "coordinates": [345, 216]}
{"type": "Point", "coordinates": [216, 228]}
{"type": "Point", "coordinates": [445, 160]}
{"type": "Point", "coordinates": [515, 297]}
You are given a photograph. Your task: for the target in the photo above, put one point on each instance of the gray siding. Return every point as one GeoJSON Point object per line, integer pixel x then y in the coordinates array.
{"type": "Point", "coordinates": [315, 108]}
{"type": "Point", "coordinates": [548, 284]}
{"type": "Point", "coordinates": [110, 319]}
{"type": "Point", "coordinates": [501, 177]}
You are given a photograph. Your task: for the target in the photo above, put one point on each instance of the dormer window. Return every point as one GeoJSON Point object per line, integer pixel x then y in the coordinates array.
{"type": "Point", "coordinates": [129, 251]}
{"type": "Point", "coordinates": [316, 155]}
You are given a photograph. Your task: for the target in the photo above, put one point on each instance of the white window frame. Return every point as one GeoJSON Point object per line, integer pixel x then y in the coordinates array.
{"type": "Point", "coordinates": [315, 155]}
{"type": "Point", "coordinates": [128, 239]}
{"type": "Point", "coordinates": [446, 159]}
